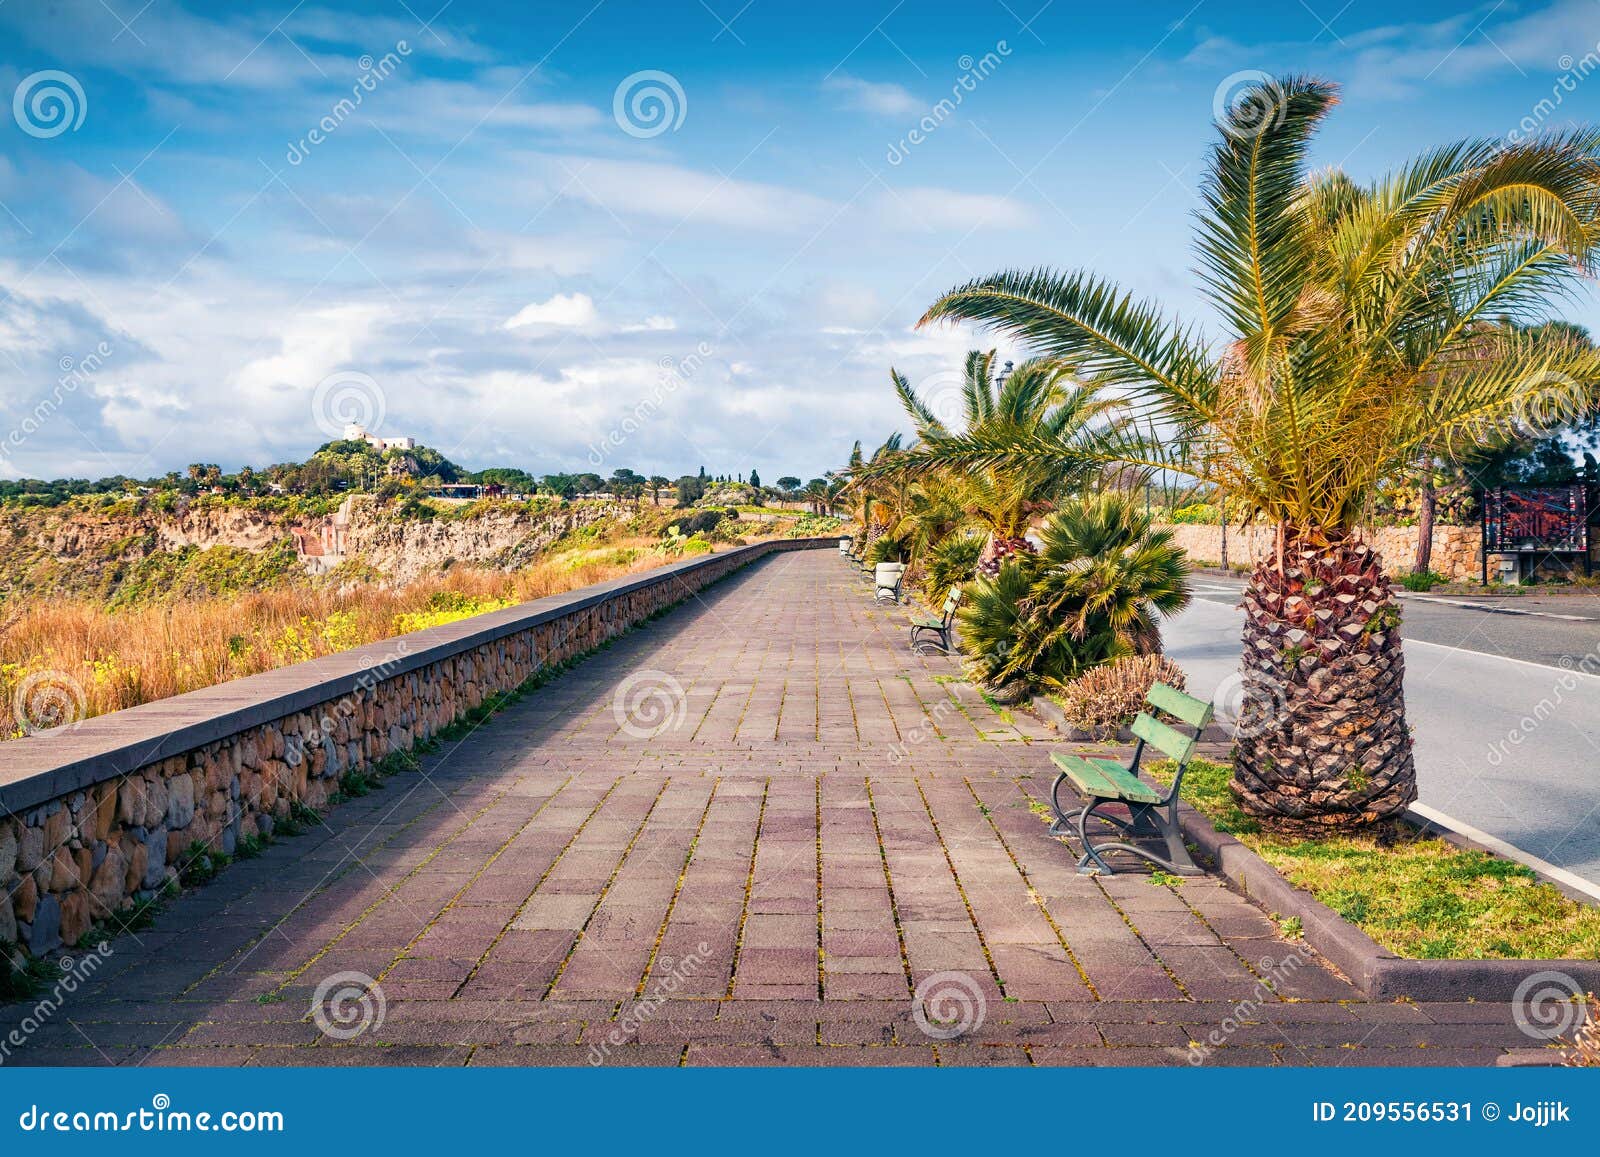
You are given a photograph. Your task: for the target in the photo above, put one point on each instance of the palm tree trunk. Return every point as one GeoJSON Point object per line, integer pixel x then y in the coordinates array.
{"type": "Point", "coordinates": [997, 550]}
{"type": "Point", "coordinates": [1322, 741]}
{"type": "Point", "coordinates": [1427, 506]}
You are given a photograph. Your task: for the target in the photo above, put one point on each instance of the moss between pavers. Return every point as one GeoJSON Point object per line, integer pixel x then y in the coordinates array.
{"type": "Point", "coordinates": [1415, 894]}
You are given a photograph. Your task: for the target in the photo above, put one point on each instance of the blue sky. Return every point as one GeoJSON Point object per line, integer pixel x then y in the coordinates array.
{"type": "Point", "coordinates": [497, 251]}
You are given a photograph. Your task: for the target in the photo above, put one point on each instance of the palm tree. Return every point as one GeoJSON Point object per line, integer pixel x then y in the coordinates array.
{"type": "Point", "coordinates": [1364, 330]}
{"type": "Point", "coordinates": [933, 510]}
{"type": "Point", "coordinates": [875, 490]}
{"type": "Point", "coordinates": [1034, 399]}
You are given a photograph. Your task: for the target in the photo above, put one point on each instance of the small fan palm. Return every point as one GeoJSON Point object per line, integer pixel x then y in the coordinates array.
{"type": "Point", "coordinates": [1103, 570]}
{"type": "Point", "coordinates": [1365, 329]}
{"type": "Point", "coordinates": [1093, 592]}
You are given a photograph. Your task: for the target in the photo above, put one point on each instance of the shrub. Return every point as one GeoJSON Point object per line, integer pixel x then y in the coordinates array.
{"type": "Point", "coordinates": [1586, 1041]}
{"type": "Point", "coordinates": [950, 564]}
{"type": "Point", "coordinates": [1422, 582]}
{"type": "Point", "coordinates": [884, 549]}
{"type": "Point", "coordinates": [1092, 593]}
{"type": "Point", "coordinates": [699, 522]}
{"type": "Point", "coordinates": [815, 526]}
{"type": "Point", "coordinates": [1104, 699]}
{"type": "Point", "coordinates": [994, 627]}
{"type": "Point", "coordinates": [1196, 513]}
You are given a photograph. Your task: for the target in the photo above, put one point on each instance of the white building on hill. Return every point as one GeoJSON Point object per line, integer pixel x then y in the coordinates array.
{"type": "Point", "coordinates": [356, 432]}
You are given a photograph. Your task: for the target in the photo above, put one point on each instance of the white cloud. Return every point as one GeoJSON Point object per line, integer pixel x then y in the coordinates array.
{"type": "Point", "coordinates": [655, 323]}
{"type": "Point", "coordinates": [450, 109]}
{"type": "Point", "coordinates": [563, 311]}
{"type": "Point", "coordinates": [1393, 60]}
{"type": "Point", "coordinates": [878, 98]}
{"type": "Point", "coordinates": [676, 194]}
{"type": "Point", "coordinates": [934, 210]}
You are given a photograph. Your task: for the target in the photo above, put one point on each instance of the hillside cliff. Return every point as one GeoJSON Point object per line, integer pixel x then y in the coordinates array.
{"type": "Point", "coordinates": [124, 551]}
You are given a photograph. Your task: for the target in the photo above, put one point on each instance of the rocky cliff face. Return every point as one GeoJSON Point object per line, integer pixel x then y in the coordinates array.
{"type": "Point", "coordinates": [63, 551]}
{"type": "Point", "coordinates": [71, 535]}
{"type": "Point", "coordinates": [405, 549]}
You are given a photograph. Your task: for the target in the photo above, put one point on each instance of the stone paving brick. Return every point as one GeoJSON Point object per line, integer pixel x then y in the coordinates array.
{"type": "Point", "coordinates": [832, 822]}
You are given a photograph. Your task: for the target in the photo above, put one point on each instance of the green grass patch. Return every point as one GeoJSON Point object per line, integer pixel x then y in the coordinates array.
{"type": "Point", "coordinates": [1416, 895]}
{"type": "Point", "coordinates": [24, 977]}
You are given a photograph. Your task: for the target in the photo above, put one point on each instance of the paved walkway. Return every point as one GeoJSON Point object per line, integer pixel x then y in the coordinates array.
{"type": "Point", "coordinates": [823, 824]}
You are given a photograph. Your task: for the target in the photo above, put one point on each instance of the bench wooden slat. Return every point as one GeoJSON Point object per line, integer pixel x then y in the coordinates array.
{"type": "Point", "coordinates": [1194, 712]}
{"type": "Point", "coordinates": [1168, 741]}
{"type": "Point", "coordinates": [1105, 778]}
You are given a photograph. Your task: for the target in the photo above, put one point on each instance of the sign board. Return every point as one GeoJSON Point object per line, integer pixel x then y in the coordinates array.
{"type": "Point", "coordinates": [1536, 518]}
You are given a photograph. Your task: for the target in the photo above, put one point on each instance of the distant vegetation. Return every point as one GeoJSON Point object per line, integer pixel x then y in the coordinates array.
{"type": "Point", "coordinates": [340, 467]}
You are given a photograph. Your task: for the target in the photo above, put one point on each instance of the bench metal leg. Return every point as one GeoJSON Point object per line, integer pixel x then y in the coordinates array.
{"type": "Point", "coordinates": [1143, 820]}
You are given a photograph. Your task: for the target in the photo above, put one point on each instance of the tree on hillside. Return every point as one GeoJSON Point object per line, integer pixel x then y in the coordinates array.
{"type": "Point", "coordinates": [690, 489]}
{"type": "Point", "coordinates": [658, 483]}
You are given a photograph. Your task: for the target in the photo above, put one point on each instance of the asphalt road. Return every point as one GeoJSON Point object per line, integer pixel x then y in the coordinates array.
{"type": "Point", "coordinates": [1507, 721]}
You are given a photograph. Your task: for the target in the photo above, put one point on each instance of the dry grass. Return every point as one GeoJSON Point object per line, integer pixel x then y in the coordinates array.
{"type": "Point", "coordinates": [63, 659]}
{"type": "Point", "coordinates": [1585, 1052]}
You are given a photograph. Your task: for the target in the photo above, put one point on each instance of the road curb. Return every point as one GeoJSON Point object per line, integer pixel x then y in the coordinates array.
{"type": "Point", "coordinates": [1377, 972]}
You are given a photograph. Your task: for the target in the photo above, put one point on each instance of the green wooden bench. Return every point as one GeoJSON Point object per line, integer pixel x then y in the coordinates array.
{"type": "Point", "coordinates": [1104, 782]}
{"type": "Point", "coordinates": [941, 627]}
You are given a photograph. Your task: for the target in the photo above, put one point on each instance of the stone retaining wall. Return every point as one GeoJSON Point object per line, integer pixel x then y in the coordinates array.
{"type": "Point", "coordinates": [99, 815]}
{"type": "Point", "coordinates": [1455, 548]}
